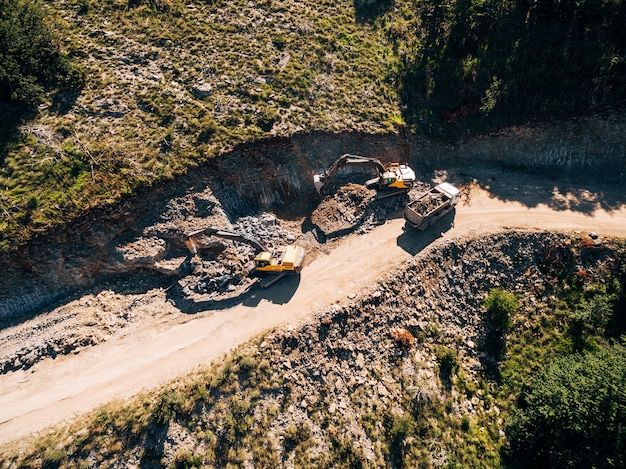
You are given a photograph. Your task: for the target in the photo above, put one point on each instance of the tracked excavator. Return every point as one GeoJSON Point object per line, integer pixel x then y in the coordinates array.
{"type": "Point", "coordinates": [393, 178]}
{"type": "Point", "coordinates": [270, 264]}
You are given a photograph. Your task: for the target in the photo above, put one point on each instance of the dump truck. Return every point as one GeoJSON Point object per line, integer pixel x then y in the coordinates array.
{"type": "Point", "coordinates": [271, 264]}
{"type": "Point", "coordinates": [431, 206]}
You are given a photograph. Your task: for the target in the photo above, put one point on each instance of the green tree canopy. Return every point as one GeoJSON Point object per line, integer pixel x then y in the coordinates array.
{"type": "Point", "coordinates": [574, 413]}
{"type": "Point", "coordinates": [500, 306]}
{"type": "Point", "coordinates": [30, 58]}
{"type": "Point", "coordinates": [498, 58]}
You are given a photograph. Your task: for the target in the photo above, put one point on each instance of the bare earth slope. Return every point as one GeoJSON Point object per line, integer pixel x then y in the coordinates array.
{"type": "Point", "coordinates": [158, 350]}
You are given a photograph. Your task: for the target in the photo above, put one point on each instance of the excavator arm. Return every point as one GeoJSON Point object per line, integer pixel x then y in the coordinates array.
{"type": "Point", "coordinates": [319, 180]}
{"type": "Point", "coordinates": [278, 262]}
{"type": "Point", "coordinates": [393, 178]}
{"type": "Point", "coordinates": [192, 242]}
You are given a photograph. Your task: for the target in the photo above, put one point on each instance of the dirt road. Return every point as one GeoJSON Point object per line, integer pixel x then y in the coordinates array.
{"type": "Point", "coordinates": [55, 390]}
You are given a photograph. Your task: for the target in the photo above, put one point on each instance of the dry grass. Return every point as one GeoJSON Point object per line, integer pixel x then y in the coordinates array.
{"type": "Point", "coordinates": [172, 86]}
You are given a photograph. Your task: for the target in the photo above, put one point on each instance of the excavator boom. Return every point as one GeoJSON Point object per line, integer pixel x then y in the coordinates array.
{"type": "Point", "coordinates": [284, 260]}
{"type": "Point", "coordinates": [390, 176]}
{"type": "Point", "coordinates": [346, 160]}
{"type": "Point", "coordinates": [192, 242]}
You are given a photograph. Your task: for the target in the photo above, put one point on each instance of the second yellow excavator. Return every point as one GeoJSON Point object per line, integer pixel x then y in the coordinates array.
{"type": "Point", "coordinates": [271, 264]}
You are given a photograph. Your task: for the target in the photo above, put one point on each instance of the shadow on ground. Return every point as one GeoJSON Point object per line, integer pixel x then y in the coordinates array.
{"type": "Point", "coordinates": [413, 241]}
{"type": "Point", "coordinates": [279, 293]}
{"type": "Point", "coordinates": [558, 193]}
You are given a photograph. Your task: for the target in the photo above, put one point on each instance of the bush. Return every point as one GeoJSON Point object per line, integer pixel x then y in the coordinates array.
{"type": "Point", "coordinates": [448, 361]}
{"type": "Point", "coordinates": [296, 435]}
{"type": "Point", "coordinates": [500, 306]}
{"type": "Point", "coordinates": [185, 459]}
{"type": "Point", "coordinates": [573, 414]}
{"type": "Point", "coordinates": [169, 403]}
{"type": "Point", "coordinates": [591, 317]}
{"type": "Point", "coordinates": [30, 59]}
{"type": "Point", "coordinates": [53, 458]}
{"type": "Point", "coordinates": [495, 60]}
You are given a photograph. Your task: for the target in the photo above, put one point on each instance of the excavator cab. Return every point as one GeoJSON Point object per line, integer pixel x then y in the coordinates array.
{"type": "Point", "coordinates": [263, 259]}
{"type": "Point", "coordinates": [388, 179]}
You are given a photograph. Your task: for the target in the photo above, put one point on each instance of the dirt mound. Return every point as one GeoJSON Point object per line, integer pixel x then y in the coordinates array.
{"type": "Point", "coordinates": [353, 208]}
{"type": "Point", "coordinates": [342, 211]}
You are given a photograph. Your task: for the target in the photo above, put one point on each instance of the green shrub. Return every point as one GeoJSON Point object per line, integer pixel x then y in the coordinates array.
{"type": "Point", "coordinates": [30, 59]}
{"type": "Point", "coordinates": [53, 458]}
{"type": "Point", "coordinates": [590, 317]}
{"type": "Point", "coordinates": [574, 413]}
{"type": "Point", "coordinates": [266, 119]}
{"type": "Point", "coordinates": [494, 60]}
{"type": "Point", "coordinates": [185, 459]}
{"type": "Point", "coordinates": [500, 306]}
{"type": "Point", "coordinates": [296, 435]}
{"type": "Point", "coordinates": [448, 361]}
{"type": "Point", "coordinates": [169, 403]}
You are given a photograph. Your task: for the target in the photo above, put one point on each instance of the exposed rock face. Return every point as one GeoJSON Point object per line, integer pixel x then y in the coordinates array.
{"type": "Point", "coordinates": [440, 290]}
{"type": "Point", "coordinates": [276, 176]}
{"type": "Point", "coordinates": [202, 90]}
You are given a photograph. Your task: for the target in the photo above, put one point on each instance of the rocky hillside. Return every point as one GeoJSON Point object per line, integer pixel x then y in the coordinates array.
{"type": "Point", "coordinates": [401, 376]}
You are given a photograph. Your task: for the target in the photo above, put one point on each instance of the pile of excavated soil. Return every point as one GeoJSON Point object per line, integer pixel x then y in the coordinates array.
{"type": "Point", "coordinates": [354, 208]}
{"type": "Point", "coordinates": [342, 211]}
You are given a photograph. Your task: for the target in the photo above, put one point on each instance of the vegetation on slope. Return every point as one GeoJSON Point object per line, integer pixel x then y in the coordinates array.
{"type": "Point", "coordinates": [366, 396]}
{"type": "Point", "coordinates": [501, 61]}
{"type": "Point", "coordinates": [170, 84]}
{"type": "Point", "coordinates": [574, 413]}
{"type": "Point", "coordinates": [30, 55]}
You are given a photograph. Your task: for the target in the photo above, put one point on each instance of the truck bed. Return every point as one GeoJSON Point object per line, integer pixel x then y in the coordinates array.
{"type": "Point", "coordinates": [430, 206]}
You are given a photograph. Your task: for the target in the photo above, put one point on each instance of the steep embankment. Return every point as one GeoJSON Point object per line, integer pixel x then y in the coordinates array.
{"type": "Point", "coordinates": [335, 387]}
{"type": "Point", "coordinates": [162, 342]}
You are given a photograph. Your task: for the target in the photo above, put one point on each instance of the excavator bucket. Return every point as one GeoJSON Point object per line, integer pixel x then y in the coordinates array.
{"type": "Point", "coordinates": [318, 182]}
{"type": "Point", "coordinates": [191, 245]}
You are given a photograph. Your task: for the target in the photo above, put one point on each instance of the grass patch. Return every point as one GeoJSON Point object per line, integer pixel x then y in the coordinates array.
{"type": "Point", "coordinates": [170, 84]}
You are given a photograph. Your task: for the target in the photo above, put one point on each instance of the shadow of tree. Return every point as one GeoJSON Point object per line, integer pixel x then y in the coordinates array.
{"type": "Point", "coordinates": [562, 194]}
{"type": "Point", "coordinates": [11, 118]}
{"type": "Point", "coordinates": [368, 10]}
{"type": "Point", "coordinates": [64, 100]}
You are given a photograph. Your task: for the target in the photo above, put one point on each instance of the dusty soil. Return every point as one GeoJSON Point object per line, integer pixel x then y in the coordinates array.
{"type": "Point", "coordinates": [136, 332]}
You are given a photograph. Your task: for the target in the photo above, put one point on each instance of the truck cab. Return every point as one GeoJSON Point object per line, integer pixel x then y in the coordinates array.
{"type": "Point", "coordinates": [449, 191]}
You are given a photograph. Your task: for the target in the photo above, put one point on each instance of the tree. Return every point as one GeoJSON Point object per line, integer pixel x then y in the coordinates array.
{"type": "Point", "coordinates": [574, 413]}
{"type": "Point", "coordinates": [30, 59]}
{"type": "Point", "coordinates": [500, 306]}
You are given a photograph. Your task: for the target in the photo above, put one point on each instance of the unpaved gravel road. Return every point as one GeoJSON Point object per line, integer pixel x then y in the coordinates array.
{"type": "Point", "coordinates": [158, 351]}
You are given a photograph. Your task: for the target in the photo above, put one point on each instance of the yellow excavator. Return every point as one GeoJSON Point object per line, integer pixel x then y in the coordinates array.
{"type": "Point", "coordinates": [393, 178]}
{"type": "Point", "coordinates": [270, 264]}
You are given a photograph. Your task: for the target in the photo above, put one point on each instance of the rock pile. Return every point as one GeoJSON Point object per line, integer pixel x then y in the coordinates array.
{"type": "Point", "coordinates": [222, 272]}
